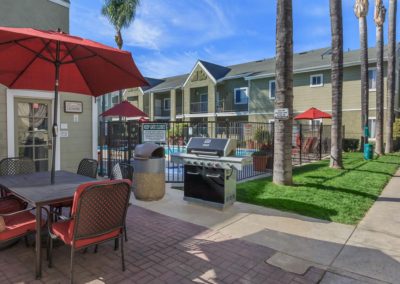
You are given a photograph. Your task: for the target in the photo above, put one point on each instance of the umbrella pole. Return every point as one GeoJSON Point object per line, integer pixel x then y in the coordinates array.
{"type": "Point", "coordinates": [55, 113]}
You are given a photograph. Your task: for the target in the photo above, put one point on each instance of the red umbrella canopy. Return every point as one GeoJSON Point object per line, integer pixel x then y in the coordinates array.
{"type": "Point", "coordinates": [313, 113]}
{"type": "Point", "coordinates": [28, 58]}
{"type": "Point", "coordinates": [125, 109]}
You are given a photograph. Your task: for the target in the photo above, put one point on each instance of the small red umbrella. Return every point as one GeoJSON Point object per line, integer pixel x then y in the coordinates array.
{"type": "Point", "coordinates": [124, 109]}
{"type": "Point", "coordinates": [144, 119]}
{"type": "Point", "coordinates": [313, 113]}
{"type": "Point", "coordinates": [55, 61]}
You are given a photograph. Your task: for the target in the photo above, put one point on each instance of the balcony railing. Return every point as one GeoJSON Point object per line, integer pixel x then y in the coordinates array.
{"type": "Point", "coordinates": [199, 107]}
{"type": "Point", "coordinates": [179, 109]}
{"type": "Point", "coordinates": [222, 106]}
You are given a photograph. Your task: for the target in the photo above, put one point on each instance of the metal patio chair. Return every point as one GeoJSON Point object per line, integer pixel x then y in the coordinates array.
{"type": "Point", "coordinates": [88, 167]}
{"type": "Point", "coordinates": [98, 215]}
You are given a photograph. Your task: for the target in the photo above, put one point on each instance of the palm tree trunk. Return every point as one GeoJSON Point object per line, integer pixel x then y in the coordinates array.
{"type": "Point", "coordinates": [337, 83]}
{"type": "Point", "coordinates": [391, 77]}
{"type": "Point", "coordinates": [379, 91]}
{"type": "Point", "coordinates": [364, 79]}
{"type": "Point", "coordinates": [284, 93]}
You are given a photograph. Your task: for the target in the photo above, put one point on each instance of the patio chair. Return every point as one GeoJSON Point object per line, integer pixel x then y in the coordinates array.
{"type": "Point", "coordinates": [18, 224]}
{"type": "Point", "coordinates": [98, 215]}
{"type": "Point", "coordinates": [122, 171]}
{"type": "Point", "coordinates": [88, 168]}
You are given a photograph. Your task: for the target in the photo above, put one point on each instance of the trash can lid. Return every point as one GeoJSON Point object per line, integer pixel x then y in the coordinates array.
{"type": "Point", "coordinates": [149, 150]}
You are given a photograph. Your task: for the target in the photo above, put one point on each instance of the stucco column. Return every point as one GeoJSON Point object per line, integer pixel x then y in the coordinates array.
{"type": "Point", "coordinates": [151, 102]}
{"type": "Point", "coordinates": [173, 104]}
{"type": "Point", "coordinates": [140, 102]}
{"type": "Point", "coordinates": [211, 110]}
{"type": "Point", "coordinates": [186, 100]}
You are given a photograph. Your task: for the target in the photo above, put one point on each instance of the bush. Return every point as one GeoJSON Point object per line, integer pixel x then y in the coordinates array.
{"type": "Point", "coordinates": [350, 145]}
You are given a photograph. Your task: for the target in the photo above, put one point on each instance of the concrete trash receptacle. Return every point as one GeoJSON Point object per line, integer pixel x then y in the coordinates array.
{"type": "Point", "coordinates": [149, 173]}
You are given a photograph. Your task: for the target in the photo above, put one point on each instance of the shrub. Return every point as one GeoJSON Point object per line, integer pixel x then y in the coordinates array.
{"type": "Point", "coordinates": [350, 145]}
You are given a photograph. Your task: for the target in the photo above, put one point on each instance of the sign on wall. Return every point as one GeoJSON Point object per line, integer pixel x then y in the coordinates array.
{"type": "Point", "coordinates": [154, 132]}
{"type": "Point", "coordinates": [281, 113]}
{"type": "Point", "coordinates": [73, 107]}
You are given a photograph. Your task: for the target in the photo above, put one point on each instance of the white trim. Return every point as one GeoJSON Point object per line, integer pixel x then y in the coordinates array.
{"type": "Point", "coordinates": [162, 117]}
{"type": "Point", "coordinates": [30, 94]}
{"type": "Point", "coordinates": [205, 70]}
{"type": "Point", "coordinates": [234, 77]}
{"type": "Point", "coordinates": [95, 128]}
{"type": "Point", "coordinates": [316, 76]}
{"type": "Point", "coordinates": [247, 95]}
{"type": "Point", "coordinates": [61, 2]}
{"type": "Point", "coordinates": [269, 89]}
{"type": "Point", "coordinates": [164, 100]}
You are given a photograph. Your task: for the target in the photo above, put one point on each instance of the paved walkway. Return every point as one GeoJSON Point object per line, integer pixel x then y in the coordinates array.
{"type": "Point", "coordinates": [160, 249]}
{"type": "Point", "coordinates": [367, 253]}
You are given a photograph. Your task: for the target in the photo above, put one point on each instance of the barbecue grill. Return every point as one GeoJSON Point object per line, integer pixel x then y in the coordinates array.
{"type": "Point", "coordinates": [210, 168]}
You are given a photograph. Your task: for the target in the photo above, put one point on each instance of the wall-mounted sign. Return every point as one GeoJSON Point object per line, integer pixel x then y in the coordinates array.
{"type": "Point", "coordinates": [154, 132]}
{"type": "Point", "coordinates": [248, 129]}
{"type": "Point", "coordinates": [281, 113]}
{"type": "Point", "coordinates": [73, 107]}
{"type": "Point", "coordinates": [64, 134]}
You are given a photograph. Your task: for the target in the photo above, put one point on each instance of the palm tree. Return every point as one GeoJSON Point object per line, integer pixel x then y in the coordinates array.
{"type": "Point", "coordinates": [337, 82]}
{"type": "Point", "coordinates": [120, 13]}
{"type": "Point", "coordinates": [361, 11]}
{"type": "Point", "coordinates": [391, 77]}
{"type": "Point", "coordinates": [379, 17]}
{"type": "Point", "coordinates": [284, 93]}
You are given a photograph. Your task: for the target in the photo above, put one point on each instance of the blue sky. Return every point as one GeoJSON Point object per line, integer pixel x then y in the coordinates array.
{"type": "Point", "coordinates": [168, 36]}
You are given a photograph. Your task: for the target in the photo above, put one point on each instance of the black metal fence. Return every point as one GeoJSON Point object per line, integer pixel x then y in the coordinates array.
{"type": "Point", "coordinates": [117, 141]}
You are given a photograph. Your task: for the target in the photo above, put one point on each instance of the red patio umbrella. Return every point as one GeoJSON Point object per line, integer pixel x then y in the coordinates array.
{"type": "Point", "coordinates": [313, 113]}
{"type": "Point", "coordinates": [55, 61]}
{"type": "Point", "coordinates": [124, 109]}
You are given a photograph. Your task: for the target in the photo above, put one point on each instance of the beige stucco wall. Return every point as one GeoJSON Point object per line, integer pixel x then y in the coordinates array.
{"type": "Point", "coordinates": [40, 14]}
{"type": "Point", "coordinates": [259, 97]}
{"type": "Point", "coordinates": [79, 143]}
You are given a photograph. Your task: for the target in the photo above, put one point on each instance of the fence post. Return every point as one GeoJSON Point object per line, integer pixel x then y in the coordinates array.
{"type": "Point", "coordinates": [101, 140]}
{"type": "Point", "coordinates": [129, 125]}
{"type": "Point", "coordinates": [301, 143]}
{"type": "Point", "coordinates": [320, 140]}
{"type": "Point", "coordinates": [227, 128]}
{"type": "Point", "coordinates": [109, 163]}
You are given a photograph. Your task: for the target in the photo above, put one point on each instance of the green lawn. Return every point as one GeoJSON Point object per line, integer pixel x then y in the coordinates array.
{"type": "Point", "coordinates": [342, 196]}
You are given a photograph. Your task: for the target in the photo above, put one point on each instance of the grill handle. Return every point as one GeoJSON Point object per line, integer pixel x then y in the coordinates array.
{"type": "Point", "coordinates": [213, 176]}
{"type": "Point", "coordinates": [193, 173]}
{"type": "Point", "coordinates": [204, 152]}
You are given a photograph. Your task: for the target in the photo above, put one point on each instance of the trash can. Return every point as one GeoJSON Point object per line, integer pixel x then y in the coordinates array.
{"type": "Point", "coordinates": [149, 172]}
{"type": "Point", "coordinates": [368, 151]}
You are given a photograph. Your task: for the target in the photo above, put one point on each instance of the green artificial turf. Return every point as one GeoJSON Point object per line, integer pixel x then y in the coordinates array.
{"type": "Point", "coordinates": [342, 196]}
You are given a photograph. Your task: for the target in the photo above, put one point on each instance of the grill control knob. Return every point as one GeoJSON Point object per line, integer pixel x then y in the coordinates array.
{"type": "Point", "coordinates": [217, 165]}
{"type": "Point", "coordinates": [201, 163]}
{"type": "Point", "coordinates": [195, 163]}
{"type": "Point", "coordinates": [209, 164]}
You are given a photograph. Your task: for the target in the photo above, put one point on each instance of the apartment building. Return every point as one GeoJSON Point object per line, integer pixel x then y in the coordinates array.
{"type": "Point", "coordinates": [26, 115]}
{"type": "Point", "coordinates": [246, 92]}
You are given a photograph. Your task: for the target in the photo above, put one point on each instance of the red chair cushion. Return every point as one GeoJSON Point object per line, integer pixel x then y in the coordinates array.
{"type": "Point", "coordinates": [63, 231]}
{"type": "Point", "coordinates": [10, 205]}
{"type": "Point", "coordinates": [18, 225]}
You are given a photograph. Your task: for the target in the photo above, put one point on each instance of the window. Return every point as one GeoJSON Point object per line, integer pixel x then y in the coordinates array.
{"type": "Point", "coordinates": [272, 89]}
{"type": "Point", "coordinates": [372, 127]}
{"type": "Point", "coordinates": [241, 96]}
{"type": "Point", "coordinates": [372, 79]}
{"type": "Point", "coordinates": [167, 104]}
{"type": "Point", "coordinates": [316, 80]}
{"type": "Point", "coordinates": [115, 99]}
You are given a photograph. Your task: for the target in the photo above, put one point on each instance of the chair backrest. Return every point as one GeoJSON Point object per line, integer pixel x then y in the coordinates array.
{"type": "Point", "coordinates": [88, 167]}
{"type": "Point", "coordinates": [99, 208]}
{"type": "Point", "coordinates": [16, 166]}
{"type": "Point", "coordinates": [122, 171]}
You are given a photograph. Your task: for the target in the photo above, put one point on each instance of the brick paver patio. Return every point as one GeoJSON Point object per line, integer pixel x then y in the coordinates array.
{"type": "Point", "coordinates": [160, 249]}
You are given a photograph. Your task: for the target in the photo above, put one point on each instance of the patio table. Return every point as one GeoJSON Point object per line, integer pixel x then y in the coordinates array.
{"type": "Point", "coordinates": [37, 191]}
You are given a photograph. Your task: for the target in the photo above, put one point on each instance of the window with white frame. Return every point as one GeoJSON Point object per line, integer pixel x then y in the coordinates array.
{"type": "Point", "coordinates": [167, 104]}
{"type": "Point", "coordinates": [241, 96]}
{"type": "Point", "coordinates": [372, 127]}
{"type": "Point", "coordinates": [372, 79]}
{"type": "Point", "coordinates": [272, 89]}
{"type": "Point", "coordinates": [317, 80]}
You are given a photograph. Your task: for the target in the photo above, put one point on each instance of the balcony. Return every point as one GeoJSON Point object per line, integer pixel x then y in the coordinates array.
{"type": "Point", "coordinates": [229, 106]}
{"type": "Point", "coordinates": [161, 112]}
{"type": "Point", "coordinates": [199, 107]}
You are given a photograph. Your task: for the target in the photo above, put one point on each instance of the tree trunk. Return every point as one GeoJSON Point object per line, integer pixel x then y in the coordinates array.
{"type": "Point", "coordinates": [379, 90]}
{"type": "Point", "coordinates": [337, 83]}
{"type": "Point", "coordinates": [284, 93]}
{"type": "Point", "coordinates": [364, 79]}
{"type": "Point", "coordinates": [391, 76]}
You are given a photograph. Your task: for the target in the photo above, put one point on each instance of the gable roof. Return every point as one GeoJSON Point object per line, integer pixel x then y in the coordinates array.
{"type": "Point", "coordinates": [308, 61]}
